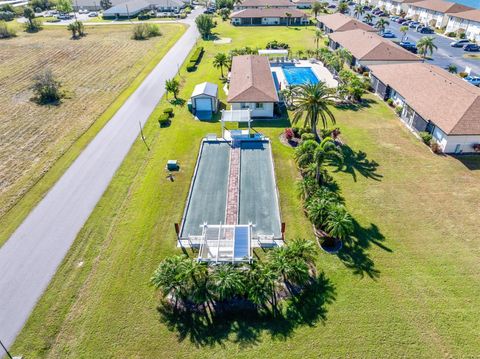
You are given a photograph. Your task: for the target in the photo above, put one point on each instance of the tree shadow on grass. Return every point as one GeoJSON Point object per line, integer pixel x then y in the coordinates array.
{"type": "Point", "coordinates": [244, 324]}
{"type": "Point", "coordinates": [365, 103]}
{"type": "Point", "coordinates": [354, 251]}
{"type": "Point", "coordinates": [357, 162]}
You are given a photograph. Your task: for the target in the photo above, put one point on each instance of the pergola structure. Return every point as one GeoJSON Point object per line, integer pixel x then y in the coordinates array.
{"type": "Point", "coordinates": [238, 116]}
{"type": "Point", "coordinates": [225, 243]}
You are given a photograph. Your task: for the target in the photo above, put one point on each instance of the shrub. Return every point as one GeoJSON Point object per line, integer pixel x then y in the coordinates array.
{"type": "Point", "coordinates": [366, 74]}
{"type": "Point", "coordinates": [145, 31]}
{"type": "Point", "coordinates": [389, 102]}
{"type": "Point", "coordinates": [308, 136]}
{"type": "Point", "coordinates": [451, 34]}
{"type": "Point", "coordinates": [325, 132]}
{"type": "Point", "coordinates": [194, 59]}
{"type": "Point", "coordinates": [399, 110]}
{"type": "Point", "coordinates": [164, 120]}
{"type": "Point", "coordinates": [434, 146]}
{"type": "Point", "coordinates": [289, 133]}
{"type": "Point", "coordinates": [46, 88]}
{"type": "Point", "coordinates": [143, 16]}
{"type": "Point", "coordinates": [5, 31]}
{"type": "Point", "coordinates": [304, 130]}
{"type": "Point", "coordinates": [7, 15]}
{"type": "Point", "coordinates": [462, 35]}
{"type": "Point", "coordinates": [462, 74]}
{"type": "Point", "coordinates": [426, 137]}
{"type": "Point", "coordinates": [169, 112]}
{"type": "Point", "coordinates": [274, 45]}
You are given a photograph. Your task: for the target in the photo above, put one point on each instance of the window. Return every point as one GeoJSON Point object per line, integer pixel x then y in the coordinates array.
{"type": "Point", "coordinates": [244, 105]}
{"type": "Point", "coordinates": [259, 105]}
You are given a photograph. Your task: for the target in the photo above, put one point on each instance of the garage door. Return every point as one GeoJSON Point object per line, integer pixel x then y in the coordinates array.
{"type": "Point", "coordinates": [203, 104]}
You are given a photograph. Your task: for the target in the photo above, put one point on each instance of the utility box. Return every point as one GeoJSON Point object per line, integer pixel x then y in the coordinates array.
{"type": "Point", "coordinates": [172, 165]}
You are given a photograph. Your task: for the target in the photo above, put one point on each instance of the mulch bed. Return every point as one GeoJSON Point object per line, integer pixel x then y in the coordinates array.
{"type": "Point", "coordinates": [294, 142]}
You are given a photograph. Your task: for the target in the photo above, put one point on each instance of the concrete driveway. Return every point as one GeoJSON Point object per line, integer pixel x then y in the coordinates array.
{"type": "Point", "coordinates": [29, 259]}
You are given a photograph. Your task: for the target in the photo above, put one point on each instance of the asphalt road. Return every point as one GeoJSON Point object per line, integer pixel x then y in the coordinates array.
{"type": "Point", "coordinates": [30, 258]}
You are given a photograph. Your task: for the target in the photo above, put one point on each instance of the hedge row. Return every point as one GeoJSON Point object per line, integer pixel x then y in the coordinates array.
{"type": "Point", "coordinates": [192, 63]}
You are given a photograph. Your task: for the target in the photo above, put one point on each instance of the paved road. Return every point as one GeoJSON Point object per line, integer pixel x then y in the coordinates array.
{"type": "Point", "coordinates": [31, 256]}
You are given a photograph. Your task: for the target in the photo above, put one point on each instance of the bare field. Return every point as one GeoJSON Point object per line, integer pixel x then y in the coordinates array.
{"type": "Point", "coordinates": [93, 72]}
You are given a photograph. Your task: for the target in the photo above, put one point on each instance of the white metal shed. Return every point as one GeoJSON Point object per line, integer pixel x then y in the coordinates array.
{"type": "Point", "coordinates": [205, 98]}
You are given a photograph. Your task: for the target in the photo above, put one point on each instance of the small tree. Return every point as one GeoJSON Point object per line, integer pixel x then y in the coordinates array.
{"type": "Point", "coordinates": [342, 7]}
{"type": "Point", "coordinates": [368, 18]}
{"type": "Point", "coordinates": [105, 4]}
{"type": "Point", "coordinates": [46, 88]}
{"type": "Point", "coordinates": [358, 11]}
{"type": "Point", "coordinates": [403, 30]}
{"type": "Point", "coordinates": [77, 28]}
{"type": "Point", "coordinates": [381, 25]}
{"type": "Point", "coordinates": [224, 13]}
{"type": "Point", "coordinates": [452, 68]}
{"type": "Point", "coordinates": [32, 25]}
{"type": "Point", "coordinates": [205, 25]}
{"type": "Point", "coordinates": [289, 16]}
{"type": "Point", "coordinates": [318, 37]}
{"type": "Point", "coordinates": [220, 61]}
{"type": "Point", "coordinates": [172, 86]}
{"type": "Point", "coordinates": [317, 8]}
{"type": "Point", "coordinates": [64, 6]}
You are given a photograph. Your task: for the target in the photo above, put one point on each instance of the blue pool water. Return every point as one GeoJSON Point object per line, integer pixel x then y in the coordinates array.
{"type": "Point", "coordinates": [299, 75]}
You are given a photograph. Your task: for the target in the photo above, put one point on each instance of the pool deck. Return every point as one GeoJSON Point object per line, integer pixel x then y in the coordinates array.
{"type": "Point", "coordinates": [318, 69]}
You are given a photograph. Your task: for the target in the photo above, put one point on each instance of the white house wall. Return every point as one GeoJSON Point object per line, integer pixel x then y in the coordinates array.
{"type": "Point", "coordinates": [267, 110]}
{"type": "Point", "coordinates": [472, 28]}
{"type": "Point", "coordinates": [425, 16]}
{"type": "Point", "coordinates": [455, 144]}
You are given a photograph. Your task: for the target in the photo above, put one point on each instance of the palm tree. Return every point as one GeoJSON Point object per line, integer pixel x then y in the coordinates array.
{"type": "Point", "coordinates": [339, 223]}
{"type": "Point", "coordinates": [172, 86]}
{"type": "Point", "coordinates": [288, 15]}
{"type": "Point", "coordinates": [344, 55]}
{"type": "Point", "coordinates": [403, 30]}
{"type": "Point", "coordinates": [73, 28]}
{"type": "Point", "coordinates": [261, 285]}
{"type": "Point", "coordinates": [327, 150]}
{"type": "Point", "coordinates": [318, 36]}
{"type": "Point", "coordinates": [368, 18]}
{"type": "Point", "coordinates": [312, 103]}
{"type": "Point", "coordinates": [381, 25]}
{"type": "Point", "coordinates": [305, 153]}
{"type": "Point", "coordinates": [227, 282]}
{"type": "Point", "coordinates": [287, 94]}
{"type": "Point", "coordinates": [302, 248]}
{"type": "Point", "coordinates": [319, 205]}
{"type": "Point", "coordinates": [342, 7]}
{"type": "Point", "coordinates": [426, 45]}
{"type": "Point", "coordinates": [358, 11]}
{"type": "Point", "coordinates": [290, 268]}
{"type": "Point", "coordinates": [219, 61]}
{"type": "Point", "coordinates": [306, 187]}
{"type": "Point", "coordinates": [317, 8]}
{"type": "Point", "coordinates": [300, 53]}
{"type": "Point", "coordinates": [168, 277]}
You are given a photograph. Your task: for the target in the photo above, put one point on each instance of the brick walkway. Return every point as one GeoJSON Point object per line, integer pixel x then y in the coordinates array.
{"type": "Point", "coordinates": [231, 216]}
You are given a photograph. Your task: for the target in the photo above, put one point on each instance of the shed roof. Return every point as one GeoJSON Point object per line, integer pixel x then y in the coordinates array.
{"type": "Point", "coordinates": [251, 80]}
{"type": "Point", "coordinates": [441, 6]}
{"type": "Point", "coordinates": [369, 46]}
{"type": "Point", "coordinates": [341, 22]}
{"type": "Point", "coordinates": [205, 88]}
{"type": "Point", "coordinates": [435, 94]}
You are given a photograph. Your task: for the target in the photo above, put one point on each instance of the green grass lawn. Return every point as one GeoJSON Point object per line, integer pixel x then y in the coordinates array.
{"type": "Point", "coordinates": [408, 287]}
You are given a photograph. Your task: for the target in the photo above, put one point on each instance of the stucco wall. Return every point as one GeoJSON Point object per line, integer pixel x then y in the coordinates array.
{"type": "Point", "coordinates": [267, 110]}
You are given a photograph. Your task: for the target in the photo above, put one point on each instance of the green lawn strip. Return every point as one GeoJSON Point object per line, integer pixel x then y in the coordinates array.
{"type": "Point", "coordinates": [14, 217]}
{"type": "Point", "coordinates": [422, 304]}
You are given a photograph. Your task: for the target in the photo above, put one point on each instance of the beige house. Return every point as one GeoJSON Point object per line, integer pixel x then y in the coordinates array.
{"type": "Point", "coordinates": [252, 86]}
{"type": "Point", "coordinates": [368, 48]}
{"type": "Point", "coordinates": [395, 6]}
{"type": "Point", "coordinates": [465, 21]}
{"type": "Point", "coordinates": [432, 100]}
{"type": "Point", "coordinates": [340, 22]}
{"type": "Point", "coordinates": [434, 12]}
{"type": "Point", "coordinates": [269, 16]}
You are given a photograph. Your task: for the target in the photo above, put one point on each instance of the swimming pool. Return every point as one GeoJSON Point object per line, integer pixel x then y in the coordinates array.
{"type": "Point", "coordinates": [299, 75]}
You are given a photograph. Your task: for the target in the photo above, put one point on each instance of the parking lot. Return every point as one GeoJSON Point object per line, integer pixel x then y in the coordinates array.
{"type": "Point", "coordinates": [443, 56]}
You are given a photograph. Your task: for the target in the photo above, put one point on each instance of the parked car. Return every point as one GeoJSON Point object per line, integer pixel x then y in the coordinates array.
{"type": "Point", "coordinates": [402, 21]}
{"type": "Point", "coordinates": [471, 48]}
{"type": "Point", "coordinates": [331, 6]}
{"type": "Point", "coordinates": [388, 34]}
{"type": "Point", "coordinates": [393, 18]}
{"type": "Point", "coordinates": [83, 11]}
{"type": "Point", "coordinates": [93, 14]}
{"type": "Point", "coordinates": [367, 8]}
{"type": "Point", "coordinates": [459, 43]}
{"type": "Point", "coordinates": [426, 30]}
{"type": "Point", "coordinates": [413, 24]}
{"type": "Point", "coordinates": [474, 80]}
{"type": "Point", "coordinates": [410, 46]}
{"type": "Point", "coordinates": [208, 11]}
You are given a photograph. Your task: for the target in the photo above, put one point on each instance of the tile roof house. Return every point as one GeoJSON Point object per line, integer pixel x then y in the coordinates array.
{"type": "Point", "coordinates": [269, 16]}
{"type": "Point", "coordinates": [340, 22]}
{"type": "Point", "coordinates": [396, 6]}
{"type": "Point", "coordinates": [434, 12]}
{"type": "Point", "coordinates": [468, 21]}
{"type": "Point", "coordinates": [368, 48]}
{"type": "Point", "coordinates": [252, 85]}
{"type": "Point", "coordinates": [433, 100]}
{"type": "Point", "coordinates": [162, 5]}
